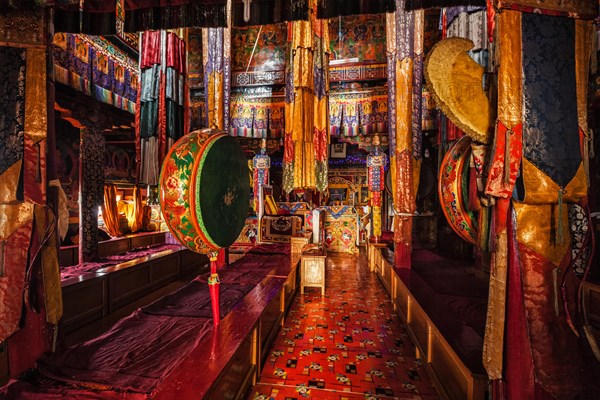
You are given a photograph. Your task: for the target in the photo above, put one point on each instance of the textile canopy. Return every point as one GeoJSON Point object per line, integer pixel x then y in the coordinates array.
{"type": "Point", "coordinates": [102, 17]}
{"type": "Point", "coordinates": [418, 4]}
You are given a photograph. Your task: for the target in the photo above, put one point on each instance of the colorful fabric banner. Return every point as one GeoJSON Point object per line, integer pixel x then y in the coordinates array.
{"type": "Point", "coordinates": [261, 163]}
{"type": "Point", "coordinates": [306, 109]}
{"type": "Point", "coordinates": [532, 182]}
{"type": "Point", "coordinates": [162, 115]}
{"type": "Point", "coordinates": [95, 67]}
{"type": "Point", "coordinates": [376, 162]}
{"type": "Point", "coordinates": [404, 41]}
{"type": "Point", "coordinates": [257, 117]}
{"type": "Point", "coordinates": [353, 114]}
{"type": "Point", "coordinates": [216, 44]}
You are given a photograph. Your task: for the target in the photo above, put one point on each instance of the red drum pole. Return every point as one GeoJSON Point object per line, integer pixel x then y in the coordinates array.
{"type": "Point", "coordinates": [214, 285]}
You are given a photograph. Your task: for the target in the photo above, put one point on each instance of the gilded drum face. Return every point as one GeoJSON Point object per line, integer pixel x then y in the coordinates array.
{"type": "Point", "coordinates": [204, 190]}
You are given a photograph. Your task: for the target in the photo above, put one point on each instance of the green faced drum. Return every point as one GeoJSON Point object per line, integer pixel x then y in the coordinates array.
{"type": "Point", "coordinates": [204, 190]}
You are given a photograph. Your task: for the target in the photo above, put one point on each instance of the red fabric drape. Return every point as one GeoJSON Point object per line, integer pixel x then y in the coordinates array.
{"type": "Point", "coordinates": [150, 49]}
{"type": "Point", "coordinates": [175, 52]}
{"type": "Point", "coordinates": [158, 124]}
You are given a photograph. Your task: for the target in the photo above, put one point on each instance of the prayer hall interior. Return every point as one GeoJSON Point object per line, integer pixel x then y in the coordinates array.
{"type": "Point", "coordinates": [296, 199]}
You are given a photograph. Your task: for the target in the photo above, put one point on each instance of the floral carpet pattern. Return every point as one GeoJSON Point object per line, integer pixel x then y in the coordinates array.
{"type": "Point", "coordinates": [347, 345]}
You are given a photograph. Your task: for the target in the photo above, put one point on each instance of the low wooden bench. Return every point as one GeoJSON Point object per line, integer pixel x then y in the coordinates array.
{"type": "Point", "coordinates": [452, 374]}
{"type": "Point", "coordinates": [90, 297]}
{"type": "Point", "coordinates": [228, 361]}
{"type": "Point", "coordinates": [68, 254]}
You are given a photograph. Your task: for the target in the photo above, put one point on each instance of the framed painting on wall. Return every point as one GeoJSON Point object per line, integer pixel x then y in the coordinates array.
{"type": "Point", "coordinates": [338, 150]}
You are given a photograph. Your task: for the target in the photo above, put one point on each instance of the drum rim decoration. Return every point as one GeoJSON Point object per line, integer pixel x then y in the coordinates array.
{"type": "Point", "coordinates": [451, 190]}
{"type": "Point", "coordinates": [198, 221]}
{"type": "Point", "coordinates": [180, 194]}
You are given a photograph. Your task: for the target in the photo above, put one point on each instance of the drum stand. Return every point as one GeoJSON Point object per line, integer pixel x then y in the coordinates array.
{"type": "Point", "coordinates": [214, 286]}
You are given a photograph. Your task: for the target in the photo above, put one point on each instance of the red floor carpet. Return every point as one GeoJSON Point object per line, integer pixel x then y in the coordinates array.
{"type": "Point", "coordinates": [348, 344]}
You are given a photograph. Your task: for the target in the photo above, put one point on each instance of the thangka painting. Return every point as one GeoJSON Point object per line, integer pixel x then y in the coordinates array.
{"type": "Point", "coordinates": [279, 228]}
{"type": "Point", "coordinates": [360, 36]}
{"type": "Point", "coordinates": [341, 229]}
{"type": "Point", "coordinates": [248, 237]}
{"type": "Point", "coordinates": [300, 209]}
{"type": "Point", "coordinates": [93, 66]}
{"type": "Point", "coordinates": [195, 64]}
{"type": "Point", "coordinates": [258, 55]}
{"type": "Point", "coordinates": [119, 163]}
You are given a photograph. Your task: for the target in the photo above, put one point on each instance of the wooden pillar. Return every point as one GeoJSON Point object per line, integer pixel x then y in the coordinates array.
{"type": "Point", "coordinates": [91, 190]}
{"type": "Point", "coordinates": [404, 32]}
{"type": "Point", "coordinates": [92, 119]}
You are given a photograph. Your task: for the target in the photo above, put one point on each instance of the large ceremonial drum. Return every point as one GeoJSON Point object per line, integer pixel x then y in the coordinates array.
{"type": "Point", "coordinates": [204, 190]}
{"type": "Point", "coordinates": [452, 190]}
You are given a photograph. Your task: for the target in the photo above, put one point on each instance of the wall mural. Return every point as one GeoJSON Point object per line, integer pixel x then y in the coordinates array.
{"type": "Point", "coordinates": [93, 66]}
{"type": "Point", "coordinates": [270, 50]}
{"type": "Point", "coordinates": [258, 76]}
{"type": "Point", "coordinates": [348, 38]}
{"type": "Point", "coordinates": [119, 163]}
{"type": "Point", "coordinates": [195, 64]}
{"type": "Point", "coordinates": [267, 64]}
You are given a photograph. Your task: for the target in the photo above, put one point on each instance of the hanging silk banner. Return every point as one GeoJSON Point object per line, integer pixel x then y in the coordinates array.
{"type": "Point", "coordinates": [306, 110]}
{"type": "Point", "coordinates": [403, 30]}
{"type": "Point", "coordinates": [216, 44]}
{"type": "Point", "coordinates": [93, 66]}
{"type": "Point", "coordinates": [358, 113]}
{"type": "Point", "coordinates": [162, 114]}
{"type": "Point", "coordinates": [376, 161]}
{"type": "Point", "coordinates": [257, 117]}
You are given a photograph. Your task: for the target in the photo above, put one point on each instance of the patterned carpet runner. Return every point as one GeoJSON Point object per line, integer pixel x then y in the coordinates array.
{"type": "Point", "coordinates": [349, 344]}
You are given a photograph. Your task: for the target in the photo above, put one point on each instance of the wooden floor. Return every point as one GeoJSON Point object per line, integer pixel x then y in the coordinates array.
{"type": "Point", "coordinates": [348, 344]}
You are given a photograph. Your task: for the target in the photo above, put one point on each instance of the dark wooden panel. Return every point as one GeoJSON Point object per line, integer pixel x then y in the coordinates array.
{"type": "Point", "coordinates": [291, 285]}
{"type": "Point", "coordinates": [128, 285]}
{"type": "Point", "coordinates": [141, 241]}
{"type": "Point", "coordinates": [192, 263]}
{"type": "Point", "coordinates": [113, 247]}
{"type": "Point", "coordinates": [158, 237]}
{"type": "Point", "coordinates": [84, 302]}
{"type": "Point", "coordinates": [67, 255]}
{"type": "Point", "coordinates": [165, 270]}
{"type": "Point", "coordinates": [593, 303]}
{"type": "Point", "coordinates": [236, 378]}
{"type": "Point", "coordinates": [269, 324]}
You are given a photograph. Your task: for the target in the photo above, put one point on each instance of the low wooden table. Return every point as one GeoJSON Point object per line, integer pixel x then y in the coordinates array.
{"type": "Point", "coordinates": [299, 241]}
{"type": "Point", "coordinates": [313, 270]}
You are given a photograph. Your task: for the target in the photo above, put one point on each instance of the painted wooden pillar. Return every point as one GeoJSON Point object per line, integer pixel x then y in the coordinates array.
{"type": "Point", "coordinates": [216, 53]}
{"type": "Point", "coordinates": [91, 122]}
{"type": "Point", "coordinates": [376, 161]}
{"type": "Point", "coordinates": [91, 190]}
